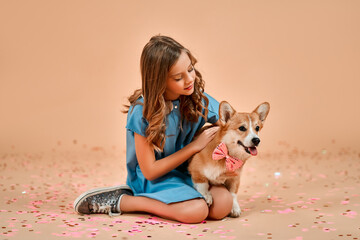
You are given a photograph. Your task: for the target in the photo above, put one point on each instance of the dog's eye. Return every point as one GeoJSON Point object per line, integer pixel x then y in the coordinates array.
{"type": "Point", "coordinates": [242, 128]}
{"type": "Point", "coordinates": [257, 128]}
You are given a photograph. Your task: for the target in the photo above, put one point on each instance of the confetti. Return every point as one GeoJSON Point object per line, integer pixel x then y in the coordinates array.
{"type": "Point", "coordinates": [286, 211]}
{"type": "Point", "coordinates": [288, 195]}
{"type": "Point", "coordinates": [277, 175]}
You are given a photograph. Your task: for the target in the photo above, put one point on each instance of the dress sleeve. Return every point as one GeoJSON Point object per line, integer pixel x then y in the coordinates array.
{"type": "Point", "coordinates": [135, 120]}
{"type": "Point", "coordinates": [213, 107]}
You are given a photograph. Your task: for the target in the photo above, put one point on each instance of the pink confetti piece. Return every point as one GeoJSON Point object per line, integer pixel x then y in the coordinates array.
{"type": "Point", "coordinates": [314, 199]}
{"type": "Point", "coordinates": [297, 238]}
{"type": "Point", "coordinates": [296, 203]}
{"type": "Point", "coordinates": [21, 212]}
{"type": "Point", "coordinates": [350, 214]}
{"type": "Point", "coordinates": [27, 225]}
{"type": "Point", "coordinates": [286, 211]}
{"type": "Point", "coordinates": [267, 211]}
{"type": "Point", "coordinates": [228, 237]}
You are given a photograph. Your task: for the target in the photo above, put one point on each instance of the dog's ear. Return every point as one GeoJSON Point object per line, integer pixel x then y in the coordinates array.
{"type": "Point", "coordinates": [226, 111]}
{"type": "Point", "coordinates": [263, 110]}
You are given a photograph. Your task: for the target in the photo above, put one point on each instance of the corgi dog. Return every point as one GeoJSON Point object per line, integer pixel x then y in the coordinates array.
{"type": "Point", "coordinates": [236, 140]}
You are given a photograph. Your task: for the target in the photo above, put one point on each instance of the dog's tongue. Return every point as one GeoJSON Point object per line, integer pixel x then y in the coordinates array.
{"type": "Point", "coordinates": [253, 151]}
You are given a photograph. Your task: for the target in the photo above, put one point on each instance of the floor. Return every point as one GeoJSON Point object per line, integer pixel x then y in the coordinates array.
{"type": "Point", "coordinates": [284, 195]}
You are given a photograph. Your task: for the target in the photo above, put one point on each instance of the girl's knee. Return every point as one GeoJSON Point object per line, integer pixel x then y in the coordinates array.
{"type": "Point", "coordinates": [194, 212]}
{"type": "Point", "coordinates": [222, 202]}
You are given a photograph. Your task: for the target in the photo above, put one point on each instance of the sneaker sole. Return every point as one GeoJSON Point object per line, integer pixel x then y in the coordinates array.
{"type": "Point", "coordinates": [95, 191]}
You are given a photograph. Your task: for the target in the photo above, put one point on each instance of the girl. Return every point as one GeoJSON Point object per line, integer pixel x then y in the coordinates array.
{"type": "Point", "coordinates": [162, 119]}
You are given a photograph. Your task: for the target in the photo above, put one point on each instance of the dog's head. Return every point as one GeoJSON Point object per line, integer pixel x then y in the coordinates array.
{"type": "Point", "coordinates": [240, 131]}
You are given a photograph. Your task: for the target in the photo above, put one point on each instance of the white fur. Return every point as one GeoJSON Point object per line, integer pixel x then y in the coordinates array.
{"type": "Point", "coordinates": [235, 211]}
{"type": "Point", "coordinates": [212, 172]}
{"type": "Point", "coordinates": [230, 140]}
{"type": "Point", "coordinates": [226, 110]}
{"type": "Point", "coordinates": [248, 140]}
{"type": "Point", "coordinates": [263, 110]}
{"type": "Point", "coordinates": [203, 188]}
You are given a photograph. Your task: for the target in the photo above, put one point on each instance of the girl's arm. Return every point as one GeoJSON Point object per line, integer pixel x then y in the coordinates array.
{"type": "Point", "coordinates": [153, 169]}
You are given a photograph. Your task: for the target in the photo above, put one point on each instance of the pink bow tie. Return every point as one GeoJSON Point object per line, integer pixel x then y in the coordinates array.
{"type": "Point", "coordinates": [221, 152]}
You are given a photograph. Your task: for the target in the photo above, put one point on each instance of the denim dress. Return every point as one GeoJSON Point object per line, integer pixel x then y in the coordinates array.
{"type": "Point", "coordinates": [175, 186]}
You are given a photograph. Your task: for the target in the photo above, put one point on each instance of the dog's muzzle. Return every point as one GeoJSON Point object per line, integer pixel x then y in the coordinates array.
{"type": "Point", "coordinates": [250, 150]}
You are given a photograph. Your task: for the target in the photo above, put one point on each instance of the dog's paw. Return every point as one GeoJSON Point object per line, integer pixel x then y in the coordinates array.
{"type": "Point", "coordinates": [208, 198]}
{"type": "Point", "coordinates": [235, 212]}
{"type": "Point", "coordinates": [203, 189]}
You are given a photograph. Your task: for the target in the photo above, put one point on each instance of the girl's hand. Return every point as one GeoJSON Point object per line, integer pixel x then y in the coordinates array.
{"type": "Point", "coordinates": [204, 138]}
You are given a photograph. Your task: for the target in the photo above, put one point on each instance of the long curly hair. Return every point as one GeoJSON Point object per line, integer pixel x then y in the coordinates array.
{"type": "Point", "coordinates": [157, 57]}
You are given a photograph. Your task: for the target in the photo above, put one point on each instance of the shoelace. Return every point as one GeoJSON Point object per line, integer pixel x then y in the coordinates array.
{"type": "Point", "coordinates": [99, 208]}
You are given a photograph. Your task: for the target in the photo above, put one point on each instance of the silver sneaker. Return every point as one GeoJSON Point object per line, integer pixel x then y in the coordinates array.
{"type": "Point", "coordinates": [102, 200]}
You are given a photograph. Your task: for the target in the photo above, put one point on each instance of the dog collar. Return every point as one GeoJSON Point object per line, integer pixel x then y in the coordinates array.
{"type": "Point", "coordinates": [221, 152]}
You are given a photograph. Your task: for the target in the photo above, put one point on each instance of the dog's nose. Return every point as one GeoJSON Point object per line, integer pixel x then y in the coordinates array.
{"type": "Point", "coordinates": [256, 141]}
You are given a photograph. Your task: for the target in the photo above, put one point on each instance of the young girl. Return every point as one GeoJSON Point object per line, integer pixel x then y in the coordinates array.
{"type": "Point", "coordinates": [163, 117]}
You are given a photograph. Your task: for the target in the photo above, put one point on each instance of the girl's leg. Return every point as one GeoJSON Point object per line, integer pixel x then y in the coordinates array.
{"type": "Point", "coordinates": [191, 211]}
{"type": "Point", "coordinates": [222, 202]}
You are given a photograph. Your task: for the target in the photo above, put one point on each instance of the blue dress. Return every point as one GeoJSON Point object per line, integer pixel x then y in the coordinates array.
{"type": "Point", "coordinates": [175, 186]}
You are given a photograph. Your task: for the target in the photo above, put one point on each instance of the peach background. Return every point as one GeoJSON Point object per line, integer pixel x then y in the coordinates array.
{"type": "Point", "coordinates": [66, 67]}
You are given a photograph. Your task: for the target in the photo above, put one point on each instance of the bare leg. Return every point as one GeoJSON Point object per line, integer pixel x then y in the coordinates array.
{"type": "Point", "coordinates": [191, 211]}
{"type": "Point", "coordinates": [222, 202]}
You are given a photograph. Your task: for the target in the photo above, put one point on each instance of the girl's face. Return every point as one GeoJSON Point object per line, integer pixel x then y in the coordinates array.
{"type": "Point", "coordinates": [181, 77]}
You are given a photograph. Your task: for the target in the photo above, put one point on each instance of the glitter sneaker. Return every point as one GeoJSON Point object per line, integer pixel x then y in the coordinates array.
{"type": "Point", "coordinates": [102, 200]}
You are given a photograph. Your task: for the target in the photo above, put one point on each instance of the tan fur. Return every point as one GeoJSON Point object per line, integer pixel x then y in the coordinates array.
{"type": "Point", "coordinates": [205, 171]}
